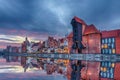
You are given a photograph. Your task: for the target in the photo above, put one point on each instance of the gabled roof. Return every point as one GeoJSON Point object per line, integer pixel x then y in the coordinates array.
{"type": "Point", "coordinates": [90, 29]}
{"type": "Point", "coordinates": [79, 20]}
{"type": "Point", "coordinates": [70, 35]}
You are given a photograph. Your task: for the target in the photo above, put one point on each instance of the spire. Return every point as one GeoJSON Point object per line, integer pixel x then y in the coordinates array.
{"type": "Point", "coordinates": [26, 39]}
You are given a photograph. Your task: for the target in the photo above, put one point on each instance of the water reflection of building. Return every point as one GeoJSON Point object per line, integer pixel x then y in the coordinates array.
{"type": "Point", "coordinates": [36, 47]}
{"type": "Point", "coordinates": [12, 49]}
{"type": "Point", "coordinates": [24, 47]}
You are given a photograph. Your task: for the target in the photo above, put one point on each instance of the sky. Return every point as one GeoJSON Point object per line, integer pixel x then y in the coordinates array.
{"type": "Point", "coordinates": [38, 19]}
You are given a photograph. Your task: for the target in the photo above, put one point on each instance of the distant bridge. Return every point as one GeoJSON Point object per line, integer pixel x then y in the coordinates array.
{"type": "Point", "coordinates": [96, 57]}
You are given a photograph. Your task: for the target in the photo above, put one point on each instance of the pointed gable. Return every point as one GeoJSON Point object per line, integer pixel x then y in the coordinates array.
{"type": "Point", "coordinates": [79, 20]}
{"type": "Point", "coordinates": [70, 35]}
{"type": "Point", "coordinates": [90, 29]}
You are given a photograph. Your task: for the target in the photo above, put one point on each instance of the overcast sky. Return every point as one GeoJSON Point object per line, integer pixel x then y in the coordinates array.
{"type": "Point", "coordinates": [39, 18]}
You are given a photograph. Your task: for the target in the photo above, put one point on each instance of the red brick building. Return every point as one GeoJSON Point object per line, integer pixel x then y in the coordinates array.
{"type": "Point", "coordinates": [104, 42]}
{"type": "Point", "coordinates": [110, 45]}
{"type": "Point", "coordinates": [91, 40]}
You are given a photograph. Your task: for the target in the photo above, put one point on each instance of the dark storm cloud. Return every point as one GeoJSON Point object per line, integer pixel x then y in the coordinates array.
{"type": "Point", "coordinates": [103, 13]}
{"type": "Point", "coordinates": [54, 16]}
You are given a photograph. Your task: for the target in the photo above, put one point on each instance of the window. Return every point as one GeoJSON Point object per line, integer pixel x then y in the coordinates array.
{"type": "Point", "coordinates": [104, 75]}
{"type": "Point", "coordinates": [109, 46]}
{"type": "Point", "coordinates": [105, 40]}
{"type": "Point", "coordinates": [112, 45]}
{"type": "Point", "coordinates": [107, 70]}
{"type": "Point", "coordinates": [105, 46]}
{"type": "Point", "coordinates": [113, 51]}
{"type": "Point", "coordinates": [102, 46]}
{"type": "Point", "coordinates": [111, 70]}
{"type": "Point", "coordinates": [109, 64]}
{"type": "Point", "coordinates": [110, 51]}
{"type": "Point", "coordinates": [101, 68]}
{"type": "Point", "coordinates": [113, 65]}
{"type": "Point", "coordinates": [106, 51]}
{"type": "Point", "coordinates": [109, 40]}
{"type": "Point", "coordinates": [113, 40]}
{"type": "Point", "coordinates": [102, 64]}
{"type": "Point", "coordinates": [101, 73]}
{"type": "Point", "coordinates": [111, 76]}
{"type": "Point", "coordinates": [108, 75]}
{"type": "Point", "coordinates": [106, 64]}
{"type": "Point", "coordinates": [103, 51]}
{"type": "Point", "coordinates": [104, 69]}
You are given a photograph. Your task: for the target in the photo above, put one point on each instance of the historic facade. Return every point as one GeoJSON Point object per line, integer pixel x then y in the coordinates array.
{"type": "Point", "coordinates": [91, 39]}
{"type": "Point", "coordinates": [95, 41]}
